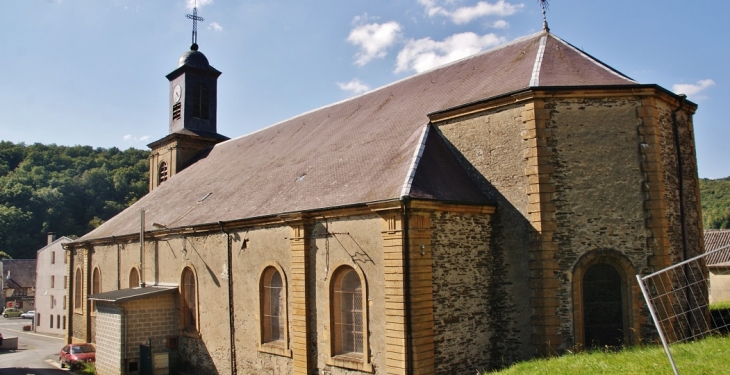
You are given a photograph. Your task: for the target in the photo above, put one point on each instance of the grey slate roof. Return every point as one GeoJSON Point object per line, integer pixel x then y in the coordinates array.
{"type": "Point", "coordinates": [123, 295]}
{"type": "Point", "coordinates": [716, 239]}
{"type": "Point", "coordinates": [361, 150]}
{"type": "Point", "coordinates": [21, 273]}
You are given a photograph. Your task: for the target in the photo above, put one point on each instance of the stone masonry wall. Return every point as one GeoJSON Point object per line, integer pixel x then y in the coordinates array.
{"type": "Point", "coordinates": [492, 149]}
{"type": "Point", "coordinates": [464, 293]}
{"type": "Point", "coordinates": [598, 180]}
{"type": "Point", "coordinates": [109, 340]}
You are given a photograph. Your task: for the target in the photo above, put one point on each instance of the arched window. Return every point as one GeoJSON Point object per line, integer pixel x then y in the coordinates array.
{"type": "Point", "coordinates": [188, 300]}
{"type": "Point", "coordinates": [77, 290]}
{"type": "Point", "coordinates": [95, 286]}
{"type": "Point", "coordinates": [133, 278]}
{"type": "Point", "coordinates": [347, 312]}
{"type": "Point", "coordinates": [604, 293]}
{"type": "Point", "coordinates": [162, 173]}
{"type": "Point", "coordinates": [272, 306]}
{"type": "Point", "coordinates": [603, 315]}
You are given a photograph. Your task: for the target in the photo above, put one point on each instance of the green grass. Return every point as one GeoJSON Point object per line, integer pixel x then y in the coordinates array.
{"type": "Point", "coordinates": [708, 356]}
{"type": "Point", "coordinates": [724, 305]}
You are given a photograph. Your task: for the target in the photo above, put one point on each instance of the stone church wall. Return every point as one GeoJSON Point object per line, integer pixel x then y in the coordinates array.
{"type": "Point", "coordinates": [491, 147]}
{"type": "Point", "coordinates": [354, 241]}
{"type": "Point", "coordinates": [599, 196]}
{"type": "Point", "coordinates": [465, 293]}
{"type": "Point", "coordinates": [265, 247]}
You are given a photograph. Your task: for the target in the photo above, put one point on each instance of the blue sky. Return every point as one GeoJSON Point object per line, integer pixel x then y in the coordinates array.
{"type": "Point", "coordinates": [92, 72]}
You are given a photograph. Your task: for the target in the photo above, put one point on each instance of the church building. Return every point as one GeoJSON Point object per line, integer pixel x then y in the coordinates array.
{"type": "Point", "coordinates": [487, 211]}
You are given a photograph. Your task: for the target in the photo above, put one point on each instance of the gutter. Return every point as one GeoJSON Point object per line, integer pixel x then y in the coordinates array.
{"type": "Point", "coordinates": [407, 286]}
{"type": "Point", "coordinates": [231, 313]}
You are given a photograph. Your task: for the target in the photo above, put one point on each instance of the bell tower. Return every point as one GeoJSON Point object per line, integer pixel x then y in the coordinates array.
{"type": "Point", "coordinates": [192, 114]}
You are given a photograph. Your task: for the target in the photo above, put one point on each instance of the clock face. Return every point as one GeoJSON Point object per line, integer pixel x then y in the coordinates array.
{"type": "Point", "coordinates": [176, 93]}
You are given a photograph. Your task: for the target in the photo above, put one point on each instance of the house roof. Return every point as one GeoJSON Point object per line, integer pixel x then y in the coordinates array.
{"type": "Point", "coordinates": [123, 295]}
{"type": "Point", "coordinates": [717, 239]}
{"type": "Point", "coordinates": [19, 273]}
{"type": "Point", "coordinates": [366, 149]}
{"type": "Point", "coordinates": [61, 240]}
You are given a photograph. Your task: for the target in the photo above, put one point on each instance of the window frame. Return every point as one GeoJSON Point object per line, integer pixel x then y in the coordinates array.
{"type": "Point", "coordinates": [278, 347]}
{"type": "Point", "coordinates": [134, 271]}
{"type": "Point", "coordinates": [350, 360]}
{"type": "Point", "coordinates": [185, 325]}
{"type": "Point", "coordinates": [78, 291]}
{"type": "Point", "coordinates": [95, 287]}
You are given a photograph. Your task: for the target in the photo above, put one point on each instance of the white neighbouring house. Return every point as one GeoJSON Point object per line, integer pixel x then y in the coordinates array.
{"type": "Point", "coordinates": [50, 286]}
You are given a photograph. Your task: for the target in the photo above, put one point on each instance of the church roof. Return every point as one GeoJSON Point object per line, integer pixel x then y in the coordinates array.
{"type": "Point", "coordinates": [374, 147]}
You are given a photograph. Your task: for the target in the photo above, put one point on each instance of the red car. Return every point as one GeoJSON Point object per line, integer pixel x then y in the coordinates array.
{"type": "Point", "coordinates": [75, 354]}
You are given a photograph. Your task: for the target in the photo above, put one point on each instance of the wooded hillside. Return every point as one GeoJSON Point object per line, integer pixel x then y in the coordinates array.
{"type": "Point", "coordinates": [715, 196]}
{"type": "Point", "coordinates": [66, 190]}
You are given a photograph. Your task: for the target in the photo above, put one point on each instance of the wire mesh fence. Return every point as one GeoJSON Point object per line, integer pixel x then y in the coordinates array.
{"type": "Point", "coordinates": [679, 298]}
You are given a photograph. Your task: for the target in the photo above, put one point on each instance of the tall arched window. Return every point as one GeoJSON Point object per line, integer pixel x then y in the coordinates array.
{"type": "Point", "coordinates": [77, 290]}
{"type": "Point", "coordinates": [162, 173]}
{"type": "Point", "coordinates": [602, 306]}
{"type": "Point", "coordinates": [272, 306]}
{"type": "Point", "coordinates": [95, 286]}
{"type": "Point", "coordinates": [188, 300]}
{"type": "Point", "coordinates": [347, 312]}
{"type": "Point", "coordinates": [133, 278]}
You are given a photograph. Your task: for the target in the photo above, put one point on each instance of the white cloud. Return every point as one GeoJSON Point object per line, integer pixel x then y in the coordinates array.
{"type": "Point", "coordinates": [355, 86]}
{"type": "Point", "coordinates": [463, 15]}
{"type": "Point", "coordinates": [373, 40]}
{"type": "Point", "coordinates": [424, 54]}
{"type": "Point", "coordinates": [500, 24]}
{"type": "Point", "coordinates": [190, 4]}
{"type": "Point", "coordinates": [692, 89]}
{"type": "Point", "coordinates": [215, 26]}
{"type": "Point", "coordinates": [130, 138]}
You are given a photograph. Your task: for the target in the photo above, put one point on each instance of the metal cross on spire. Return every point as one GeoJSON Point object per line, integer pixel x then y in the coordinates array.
{"type": "Point", "coordinates": [544, 5]}
{"type": "Point", "coordinates": [195, 19]}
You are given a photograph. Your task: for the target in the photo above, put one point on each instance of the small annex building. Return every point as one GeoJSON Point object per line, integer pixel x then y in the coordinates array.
{"type": "Point", "coordinates": [717, 243]}
{"type": "Point", "coordinates": [18, 283]}
{"type": "Point", "coordinates": [487, 211]}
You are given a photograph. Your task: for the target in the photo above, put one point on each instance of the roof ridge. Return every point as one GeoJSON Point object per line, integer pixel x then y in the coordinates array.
{"type": "Point", "coordinates": [417, 154]}
{"type": "Point", "coordinates": [594, 60]}
{"type": "Point", "coordinates": [369, 92]}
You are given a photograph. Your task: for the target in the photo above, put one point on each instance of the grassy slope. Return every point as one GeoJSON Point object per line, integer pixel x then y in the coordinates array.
{"type": "Point", "coordinates": [707, 356]}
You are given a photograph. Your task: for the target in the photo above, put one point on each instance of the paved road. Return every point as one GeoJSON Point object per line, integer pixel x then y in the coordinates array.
{"type": "Point", "coordinates": [36, 355]}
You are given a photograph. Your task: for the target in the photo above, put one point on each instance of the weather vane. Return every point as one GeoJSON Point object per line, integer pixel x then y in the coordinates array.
{"type": "Point", "coordinates": [195, 19]}
{"type": "Point", "coordinates": [544, 5]}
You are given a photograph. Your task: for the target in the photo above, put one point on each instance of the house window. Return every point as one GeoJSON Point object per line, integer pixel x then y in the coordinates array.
{"type": "Point", "coordinates": [53, 257]}
{"type": "Point", "coordinates": [189, 307]}
{"type": "Point", "coordinates": [53, 281]}
{"type": "Point", "coordinates": [37, 320]}
{"type": "Point", "coordinates": [77, 290]}
{"type": "Point", "coordinates": [64, 304]}
{"type": "Point", "coordinates": [272, 306]}
{"type": "Point", "coordinates": [347, 313]}
{"type": "Point", "coordinates": [95, 286]}
{"type": "Point", "coordinates": [58, 321]}
{"type": "Point", "coordinates": [50, 321]}
{"type": "Point", "coordinates": [64, 322]}
{"type": "Point", "coordinates": [50, 301]}
{"type": "Point", "coordinates": [133, 278]}
{"type": "Point", "coordinates": [162, 175]}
